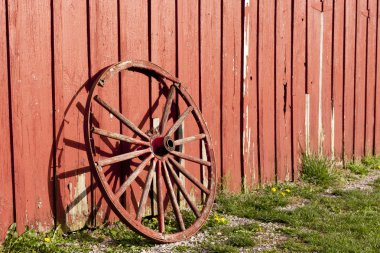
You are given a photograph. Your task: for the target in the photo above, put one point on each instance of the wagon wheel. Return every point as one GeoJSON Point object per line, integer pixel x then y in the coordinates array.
{"type": "Point", "coordinates": [159, 153]}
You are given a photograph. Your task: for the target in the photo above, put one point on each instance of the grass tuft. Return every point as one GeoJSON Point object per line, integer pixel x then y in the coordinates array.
{"type": "Point", "coordinates": [215, 247]}
{"type": "Point", "coordinates": [372, 162]}
{"type": "Point", "coordinates": [357, 168]}
{"type": "Point", "coordinates": [241, 238]}
{"type": "Point", "coordinates": [317, 170]}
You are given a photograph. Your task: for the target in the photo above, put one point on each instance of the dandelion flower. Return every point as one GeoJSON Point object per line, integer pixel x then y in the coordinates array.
{"type": "Point", "coordinates": [287, 190]}
{"type": "Point", "coordinates": [47, 239]}
{"type": "Point", "coordinates": [273, 189]}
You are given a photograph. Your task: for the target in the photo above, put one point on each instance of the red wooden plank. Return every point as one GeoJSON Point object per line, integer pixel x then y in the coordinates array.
{"type": "Point", "coordinates": [103, 21]}
{"type": "Point", "coordinates": [325, 90]}
{"type": "Point", "coordinates": [371, 78]}
{"type": "Point", "coordinates": [249, 134]}
{"type": "Point", "coordinates": [31, 89]}
{"type": "Point", "coordinates": [338, 77]}
{"type": "Point", "coordinates": [231, 92]}
{"type": "Point", "coordinates": [283, 90]}
{"type": "Point", "coordinates": [377, 93]}
{"type": "Point", "coordinates": [70, 77]}
{"type": "Point", "coordinates": [188, 73]}
{"type": "Point", "coordinates": [314, 74]}
{"type": "Point", "coordinates": [134, 44]}
{"type": "Point", "coordinates": [6, 196]}
{"type": "Point", "coordinates": [298, 84]}
{"type": "Point", "coordinates": [360, 77]}
{"type": "Point", "coordinates": [163, 53]}
{"type": "Point", "coordinates": [266, 83]}
{"type": "Point", "coordinates": [349, 78]}
{"type": "Point", "coordinates": [210, 73]}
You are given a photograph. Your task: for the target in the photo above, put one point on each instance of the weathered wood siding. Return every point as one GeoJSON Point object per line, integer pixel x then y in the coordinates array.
{"type": "Point", "coordinates": [273, 78]}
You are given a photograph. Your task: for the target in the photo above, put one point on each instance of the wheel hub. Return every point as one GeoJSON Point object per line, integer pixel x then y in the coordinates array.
{"type": "Point", "coordinates": [161, 146]}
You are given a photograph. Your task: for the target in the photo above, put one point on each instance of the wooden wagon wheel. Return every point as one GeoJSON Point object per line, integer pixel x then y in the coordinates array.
{"type": "Point", "coordinates": [159, 153]}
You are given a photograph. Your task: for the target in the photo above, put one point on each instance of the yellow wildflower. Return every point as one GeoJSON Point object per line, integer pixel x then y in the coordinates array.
{"type": "Point", "coordinates": [378, 167]}
{"type": "Point", "coordinates": [47, 239]}
{"type": "Point", "coordinates": [283, 194]}
{"type": "Point", "coordinates": [223, 220]}
{"type": "Point", "coordinates": [273, 189]}
{"type": "Point", "coordinates": [287, 190]}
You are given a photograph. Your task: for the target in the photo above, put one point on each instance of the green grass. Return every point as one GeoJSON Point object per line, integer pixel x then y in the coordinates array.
{"type": "Point", "coordinates": [372, 162]}
{"type": "Point", "coordinates": [363, 166]}
{"type": "Point", "coordinates": [357, 168]}
{"type": "Point", "coordinates": [347, 222]}
{"type": "Point", "coordinates": [340, 221]}
{"type": "Point", "coordinates": [344, 221]}
{"type": "Point", "coordinates": [31, 241]}
{"type": "Point", "coordinates": [317, 170]}
{"type": "Point", "coordinates": [119, 237]}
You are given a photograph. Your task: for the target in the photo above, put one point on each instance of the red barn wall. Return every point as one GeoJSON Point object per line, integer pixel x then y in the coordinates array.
{"type": "Point", "coordinates": [273, 79]}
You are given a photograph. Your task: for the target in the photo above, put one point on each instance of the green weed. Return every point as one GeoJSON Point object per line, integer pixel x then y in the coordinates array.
{"type": "Point", "coordinates": [216, 247]}
{"type": "Point", "coordinates": [357, 168]}
{"type": "Point", "coordinates": [31, 241]}
{"type": "Point", "coordinates": [372, 162]}
{"type": "Point", "coordinates": [317, 170]}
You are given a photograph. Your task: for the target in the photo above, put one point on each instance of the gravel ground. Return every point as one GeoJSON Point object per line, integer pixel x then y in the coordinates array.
{"type": "Point", "coordinates": [365, 182]}
{"type": "Point", "coordinates": [266, 239]}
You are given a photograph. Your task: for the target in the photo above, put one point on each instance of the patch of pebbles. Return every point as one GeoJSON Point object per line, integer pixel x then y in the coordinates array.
{"type": "Point", "coordinates": [365, 182]}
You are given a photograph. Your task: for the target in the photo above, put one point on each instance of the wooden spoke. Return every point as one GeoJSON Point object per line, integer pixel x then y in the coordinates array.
{"type": "Point", "coordinates": [180, 120]}
{"type": "Point", "coordinates": [183, 190]}
{"type": "Point", "coordinates": [133, 176]}
{"type": "Point", "coordinates": [160, 200]}
{"type": "Point", "coordinates": [190, 158]}
{"type": "Point", "coordinates": [119, 137]}
{"type": "Point", "coordinates": [189, 139]}
{"type": "Point", "coordinates": [144, 196]}
{"type": "Point", "coordinates": [123, 157]}
{"type": "Point", "coordinates": [167, 108]}
{"type": "Point", "coordinates": [189, 176]}
{"type": "Point", "coordinates": [121, 117]}
{"type": "Point", "coordinates": [173, 199]}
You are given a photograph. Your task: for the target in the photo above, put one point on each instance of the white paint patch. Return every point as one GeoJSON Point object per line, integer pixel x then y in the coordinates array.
{"type": "Point", "coordinates": [204, 168]}
{"type": "Point", "coordinates": [332, 131]}
{"type": "Point", "coordinates": [78, 213]}
{"type": "Point", "coordinates": [320, 127]}
{"type": "Point", "coordinates": [181, 135]}
{"type": "Point", "coordinates": [246, 135]}
{"type": "Point", "coordinates": [253, 159]}
{"type": "Point", "coordinates": [156, 124]}
{"type": "Point", "coordinates": [307, 122]}
{"type": "Point", "coordinates": [39, 204]}
{"type": "Point", "coordinates": [245, 54]}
